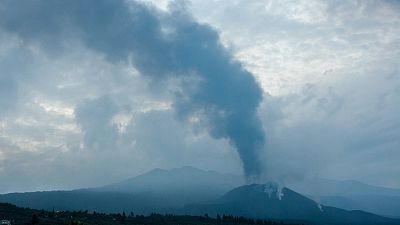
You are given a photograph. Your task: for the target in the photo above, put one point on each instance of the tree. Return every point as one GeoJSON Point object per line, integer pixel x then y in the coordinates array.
{"type": "Point", "coordinates": [35, 219]}
{"type": "Point", "coordinates": [51, 215]}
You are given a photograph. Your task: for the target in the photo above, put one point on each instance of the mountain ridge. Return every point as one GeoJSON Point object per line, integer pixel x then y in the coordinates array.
{"type": "Point", "coordinates": [149, 193]}
{"type": "Point", "coordinates": [352, 195]}
{"type": "Point", "coordinates": [145, 193]}
{"type": "Point", "coordinates": [257, 201]}
{"type": "Point", "coordinates": [174, 179]}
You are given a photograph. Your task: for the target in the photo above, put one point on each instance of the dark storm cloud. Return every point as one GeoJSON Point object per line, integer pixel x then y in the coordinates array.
{"type": "Point", "coordinates": [162, 46]}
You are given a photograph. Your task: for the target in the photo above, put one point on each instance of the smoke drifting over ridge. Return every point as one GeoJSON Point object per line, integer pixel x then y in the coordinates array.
{"type": "Point", "coordinates": [215, 88]}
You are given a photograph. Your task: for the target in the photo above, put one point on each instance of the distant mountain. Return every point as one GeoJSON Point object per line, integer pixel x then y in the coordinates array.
{"type": "Point", "coordinates": [179, 186]}
{"type": "Point", "coordinates": [189, 190]}
{"type": "Point", "coordinates": [185, 179]}
{"type": "Point", "coordinates": [85, 200]}
{"type": "Point", "coordinates": [156, 191]}
{"type": "Point", "coordinates": [326, 187]}
{"type": "Point", "coordinates": [352, 195]}
{"type": "Point", "coordinates": [267, 202]}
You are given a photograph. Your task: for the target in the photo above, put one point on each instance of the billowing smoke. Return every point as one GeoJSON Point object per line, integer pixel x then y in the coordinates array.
{"type": "Point", "coordinates": [214, 88]}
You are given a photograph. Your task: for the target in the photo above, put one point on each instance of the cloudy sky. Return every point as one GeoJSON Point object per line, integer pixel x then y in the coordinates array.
{"type": "Point", "coordinates": [98, 91]}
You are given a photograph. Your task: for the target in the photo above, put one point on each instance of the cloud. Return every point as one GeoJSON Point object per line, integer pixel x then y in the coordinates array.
{"type": "Point", "coordinates": [225, 95]}
{"type": "Point", "coordinates": [325, 68]}
{"type": "Point", "coordinates": [325, 132]}
{"type": "Point", "coordinates": [95, 117]}
{"type": "Point", "coordinates": [149, 86]}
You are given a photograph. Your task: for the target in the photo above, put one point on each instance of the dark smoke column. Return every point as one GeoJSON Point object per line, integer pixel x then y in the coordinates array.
{"type": "Point", "coordinates": [214, 87]}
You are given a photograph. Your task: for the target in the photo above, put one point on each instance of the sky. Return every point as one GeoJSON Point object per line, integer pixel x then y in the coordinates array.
{"type": "Point", "coordinates": [96, 92]}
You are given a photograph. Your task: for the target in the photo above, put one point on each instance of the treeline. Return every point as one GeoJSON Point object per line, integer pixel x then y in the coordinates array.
{"type": "Point", "coordinates": [24, 216]}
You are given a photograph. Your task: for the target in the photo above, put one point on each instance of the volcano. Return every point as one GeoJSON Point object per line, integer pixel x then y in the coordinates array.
{"type": "Point", "coordinates": [268, 201]}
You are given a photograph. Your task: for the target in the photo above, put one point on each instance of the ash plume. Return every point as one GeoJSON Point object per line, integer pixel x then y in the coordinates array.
{"type": "Point", "coordinates": [162, 45]}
